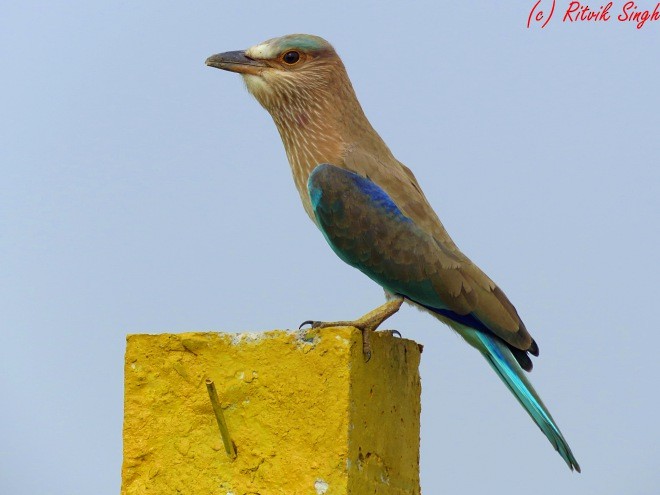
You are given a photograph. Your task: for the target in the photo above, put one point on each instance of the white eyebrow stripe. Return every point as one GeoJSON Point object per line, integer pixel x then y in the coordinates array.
{"type": "Point", "coordinates": [263, 50]}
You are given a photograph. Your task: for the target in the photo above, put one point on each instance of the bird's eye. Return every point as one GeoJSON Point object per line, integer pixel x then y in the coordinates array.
{"type": "Point", "coordinates": [291, 57]}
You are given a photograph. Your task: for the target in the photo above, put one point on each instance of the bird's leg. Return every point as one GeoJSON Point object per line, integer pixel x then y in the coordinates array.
{"type": "Point", "coordinates": [366, 324]}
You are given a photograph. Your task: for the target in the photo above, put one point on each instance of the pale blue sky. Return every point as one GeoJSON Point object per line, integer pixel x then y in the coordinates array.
{"type": "Point", "coordinates": [145, 192]}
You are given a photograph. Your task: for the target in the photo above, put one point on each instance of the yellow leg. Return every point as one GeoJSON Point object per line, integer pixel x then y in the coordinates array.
{"type": "Point", "coordinates": [366, 324]}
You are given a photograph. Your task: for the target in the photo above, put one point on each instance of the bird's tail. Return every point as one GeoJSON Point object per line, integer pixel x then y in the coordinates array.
{"type": "Point", "coordinates": [505, 365]}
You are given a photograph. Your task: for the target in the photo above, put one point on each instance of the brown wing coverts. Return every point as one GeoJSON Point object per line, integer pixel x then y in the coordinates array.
{"type": "Point", "coordinates": [459, 282]}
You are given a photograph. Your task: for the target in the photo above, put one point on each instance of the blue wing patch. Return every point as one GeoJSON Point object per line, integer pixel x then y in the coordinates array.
{"type": "Point", "coordinates": [334, 179]}
{"type": "Point", "coordinates": [367, 230]}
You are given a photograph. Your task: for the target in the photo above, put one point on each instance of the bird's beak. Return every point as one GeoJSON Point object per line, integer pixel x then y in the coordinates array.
{"type": "Point", "coordinates": [236, 62]}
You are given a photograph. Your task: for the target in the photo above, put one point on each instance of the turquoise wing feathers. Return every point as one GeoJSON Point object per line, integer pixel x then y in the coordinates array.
{"type": "Point", "coordinates": [367, 230]}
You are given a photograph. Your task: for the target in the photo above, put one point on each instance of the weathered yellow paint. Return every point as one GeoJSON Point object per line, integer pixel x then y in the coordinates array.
{"type": "Point", "coordinates": [306, 414]}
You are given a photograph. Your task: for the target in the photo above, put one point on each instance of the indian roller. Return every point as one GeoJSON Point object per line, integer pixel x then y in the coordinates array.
{"type": "Point", "coordinates": [374, 215]}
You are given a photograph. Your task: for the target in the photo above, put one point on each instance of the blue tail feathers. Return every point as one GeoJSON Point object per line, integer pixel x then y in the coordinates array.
{"type": "Point", "coordinates": [502, 361]}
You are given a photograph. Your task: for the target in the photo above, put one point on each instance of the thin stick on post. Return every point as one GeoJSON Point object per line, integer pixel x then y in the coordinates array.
{"type": "Point", "coordinates": [224, 432]}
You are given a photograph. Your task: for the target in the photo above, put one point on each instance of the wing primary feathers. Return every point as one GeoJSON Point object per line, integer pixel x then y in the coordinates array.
{"type": "Point", "coordinates": [534, 348]}
{"type": "Point", "coordinates": [473, 322]}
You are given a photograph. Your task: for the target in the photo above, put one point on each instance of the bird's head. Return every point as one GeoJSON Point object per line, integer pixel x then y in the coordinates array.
{"type": "Point", "coordinates": [301, 81]}
{"type": "Point", "coordinates": [297, 70]}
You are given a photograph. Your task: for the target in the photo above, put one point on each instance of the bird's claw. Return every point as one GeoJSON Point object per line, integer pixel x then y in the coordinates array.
{"type": "Point", "coordinates": [307, 322]}
{"type": "Point", "coordinates": [326, 324]}
{"type": "Point", "coordinates": [366, 324]}
{"type": "Point", "coordinates": [367, 355]}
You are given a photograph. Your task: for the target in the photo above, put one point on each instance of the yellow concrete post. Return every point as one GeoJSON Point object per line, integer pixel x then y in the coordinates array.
{"type": "Point", "coordinates": [305, 414]}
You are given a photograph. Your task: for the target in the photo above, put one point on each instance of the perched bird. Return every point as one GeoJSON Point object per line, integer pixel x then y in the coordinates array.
{"type": "Point", "coordinates": [374, 215]}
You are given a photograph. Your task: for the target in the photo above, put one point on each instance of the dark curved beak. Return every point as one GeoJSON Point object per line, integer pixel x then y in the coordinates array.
{"type": "Point", "coordinates": [235, 62]}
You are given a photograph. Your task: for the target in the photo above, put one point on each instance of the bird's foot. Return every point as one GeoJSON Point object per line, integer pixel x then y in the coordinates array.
{"type": "Point", "coordinates": [366, 324]}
